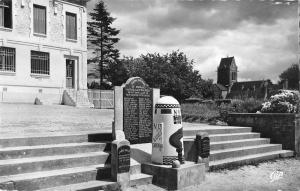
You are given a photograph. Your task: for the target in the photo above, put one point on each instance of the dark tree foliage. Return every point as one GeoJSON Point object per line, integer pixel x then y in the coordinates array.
{"type": "Point", "coordinates": [172, 73]}
{"type": "Point", "coordinates": [102, 38]}
{"type": "Point", "coordinates": [117, 73]}
{"type": "Point", "coordinates": [291, 75]}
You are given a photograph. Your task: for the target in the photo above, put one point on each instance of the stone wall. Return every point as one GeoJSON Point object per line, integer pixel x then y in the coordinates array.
{"type": "Point", "coordinates": [280, 128]}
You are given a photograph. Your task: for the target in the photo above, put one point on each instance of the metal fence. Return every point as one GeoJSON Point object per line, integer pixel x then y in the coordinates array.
{"type": "Point", "coordinates": [102, 99]}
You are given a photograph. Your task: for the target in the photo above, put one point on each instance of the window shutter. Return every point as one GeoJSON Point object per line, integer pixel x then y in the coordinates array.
{"type": "Point", "coordinates": [68, 26]}
{"type": "Point", "coordinates": [1, 16]}
{"type": "Point", "coordinates": [71, 27]}
{"type": "Point", "coordinates": [39, 19]}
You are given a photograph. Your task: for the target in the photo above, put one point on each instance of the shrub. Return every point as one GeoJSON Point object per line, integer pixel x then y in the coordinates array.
{"type": "Point", "coordinates": [209, 112]}
{"type": "Point", "coordinates": [251, 105]}
{"type": "Point", "coordinates": [204, 112]}
{"type": "Point", "coordinates": [239, 106]}
{"type": "Point", "coordinates": [285, 101]}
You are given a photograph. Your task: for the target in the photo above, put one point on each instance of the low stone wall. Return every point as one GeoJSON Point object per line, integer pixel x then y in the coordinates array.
{"type": "Point", "coordinates": [281, 128]}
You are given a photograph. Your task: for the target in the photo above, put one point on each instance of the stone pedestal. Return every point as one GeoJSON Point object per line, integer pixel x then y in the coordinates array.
{"type": "Point", "coordinates": [186, 175]}
{"type": "Point", "coordinates": [120, 163]}
{"type": "Point", "coordinates": [203, 148]}
{"type": "Point", "coordinates": [199, 147]}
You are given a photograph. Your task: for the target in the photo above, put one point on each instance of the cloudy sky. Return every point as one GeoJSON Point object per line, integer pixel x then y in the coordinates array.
{"type": "Point", "coordinates": [261, 35]}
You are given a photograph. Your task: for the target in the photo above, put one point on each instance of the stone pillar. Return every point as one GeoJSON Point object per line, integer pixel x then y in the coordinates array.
{"type": "Point", "coordinates": [120, 163]}
{"type": "Point", "coordinates": [117, 130]}
{"type": "Point", "coordinates": [203, 148]}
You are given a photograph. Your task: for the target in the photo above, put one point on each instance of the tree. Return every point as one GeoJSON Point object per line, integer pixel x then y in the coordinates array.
{"type": "Point", "coordinates": [291, 75]}
{"type": "Point", "coordinates": [117, 73]}
{"type": "Point", "coordinates": [173, 73]}
{"type": "Point", "coordinates": [102, 37]}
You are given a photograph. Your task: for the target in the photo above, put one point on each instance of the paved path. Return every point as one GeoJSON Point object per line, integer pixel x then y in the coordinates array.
{"type": "Point", "coordinates": [28, 118]}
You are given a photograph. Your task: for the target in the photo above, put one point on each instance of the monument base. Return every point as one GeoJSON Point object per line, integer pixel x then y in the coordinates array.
{"type": "Point", "coordinates": [187, 174]}
{"type": "Point", "coordinates": [120, 163]}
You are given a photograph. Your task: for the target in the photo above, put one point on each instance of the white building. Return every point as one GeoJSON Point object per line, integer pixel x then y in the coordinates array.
{"type": "Point", "coordinates": [43, 50]}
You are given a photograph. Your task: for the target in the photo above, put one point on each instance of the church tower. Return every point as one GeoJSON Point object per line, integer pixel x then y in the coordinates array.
{"type": "Point", "coordinates": [227, 72]}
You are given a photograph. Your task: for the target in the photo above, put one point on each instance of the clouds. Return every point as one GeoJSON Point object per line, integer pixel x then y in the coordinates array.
{"type": "Point", "coordinates": [262, 36]}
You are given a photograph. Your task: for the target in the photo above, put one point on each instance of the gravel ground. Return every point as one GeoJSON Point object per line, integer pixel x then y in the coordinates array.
{"type": "Point", "coordinates": [28, 118]}
{"type": "Point", "coordinates": [248, 178]}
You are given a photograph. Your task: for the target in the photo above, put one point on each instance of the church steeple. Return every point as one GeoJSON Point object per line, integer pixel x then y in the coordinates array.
{"type": "Point", "coordinates": [227, 72]}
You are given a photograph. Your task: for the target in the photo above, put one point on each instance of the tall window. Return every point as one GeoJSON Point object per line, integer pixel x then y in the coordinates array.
{"type": "Point", "coordinates": [40, 63]}
{"type": "Point", "coordinates": [7, 59]}
{"type": "Point", "coordinates": [39, 19]}
{"type": "Point", "coordinates": [71, 26]}
{"type": "Point", "coordinates": [5, 14]}
{"type": "Point", "coordinates": [233, 76]}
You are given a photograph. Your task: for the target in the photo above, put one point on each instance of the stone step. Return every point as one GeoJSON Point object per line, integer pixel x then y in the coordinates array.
{"type": "Point", "coordinates": [233, 136]}
{"type": "Point", "coordinates": [237, 143]}
{"type": "Point", "coordinates": [243, 151]}
{"type": "Point", "coordinates": [105, 172]}
{"type": "Point", "coordinates": [87, 105]}
{"type": "Point", "coordinates": [192, 131]}
{"type": "Point", "coordinates": [47, 150]}
{"type": "Point", "coordinates": [33, 164]}
{"type": "Point", "coordinates": [140, 179]}
{"type": "Point", "coordinates": [47, 139]}
{"type": "Point", "coordinates": [135, 167]}
{"type": "Point", "coordinates": [49, 179]}
{"type": "Point", "coordinates": [249, 159]}
{"type": "Point", "coordinates": [228, 137]}
{"type": "Point", "coordinates": [96, 185]}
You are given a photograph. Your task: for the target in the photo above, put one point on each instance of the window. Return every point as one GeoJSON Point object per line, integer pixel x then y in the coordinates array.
{"type": "Point", "coordinates": [233, 76]}
{"type": "Point", "coordinates": [5, 14]}
{"type": "Point", "coordinates": [39, 19]}
{"type": "Point", "coordinates": [40, 63]}
{"type": "Point", "coordinates": [7, 59]}
{"type": "Point", "coordinates": [71, 26]}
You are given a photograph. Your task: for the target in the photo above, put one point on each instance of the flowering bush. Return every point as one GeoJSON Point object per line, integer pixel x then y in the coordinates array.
{"type": "Point", "coordinates": [286, 101]}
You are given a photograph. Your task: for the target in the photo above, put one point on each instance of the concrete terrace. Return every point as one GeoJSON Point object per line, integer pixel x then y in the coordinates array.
{"type": "Point", "coordinates": [44, 119]}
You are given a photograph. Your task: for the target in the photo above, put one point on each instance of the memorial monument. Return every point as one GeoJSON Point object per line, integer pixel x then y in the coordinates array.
{"type": "Point", "coordinates": [167, 141]}
{"type": "Point", "coordinates": [133, 117]}
{"type": "Point", "coordinates": [168, 167]}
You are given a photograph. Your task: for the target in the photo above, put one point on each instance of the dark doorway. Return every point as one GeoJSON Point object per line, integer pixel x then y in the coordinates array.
{"type": "Point", "coordinates": [70, 64]}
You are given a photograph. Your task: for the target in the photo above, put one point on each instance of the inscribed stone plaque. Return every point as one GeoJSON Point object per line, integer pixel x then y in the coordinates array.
{"type": "Point", "coordinates": [123, 159]}
{"type": "Point", "coordinates": [205, 147]}
{"type": "Point", "coordinates": [137, 111]}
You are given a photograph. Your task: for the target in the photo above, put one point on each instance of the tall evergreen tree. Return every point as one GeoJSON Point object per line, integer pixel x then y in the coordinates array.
{"type": "Point", "coordinates": [102, 38]}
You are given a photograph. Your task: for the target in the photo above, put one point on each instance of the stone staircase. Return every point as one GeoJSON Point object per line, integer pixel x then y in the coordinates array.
{"type": "Point", "coordinates": [232, 146]}
{"type": "Point", "coordinates": [77, 98]}
{"type": "Point", "coordinates": [59, 162]}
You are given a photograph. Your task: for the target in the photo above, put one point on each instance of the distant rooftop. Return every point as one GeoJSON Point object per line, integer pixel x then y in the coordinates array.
{"type": "Point", "coordinates": [238, 86]}
{"type": "Point", "coordinates": [221, 87]}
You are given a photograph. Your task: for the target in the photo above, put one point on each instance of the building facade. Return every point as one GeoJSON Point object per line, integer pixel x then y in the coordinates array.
{"type": "Point", "coordinates": [43, 49]}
